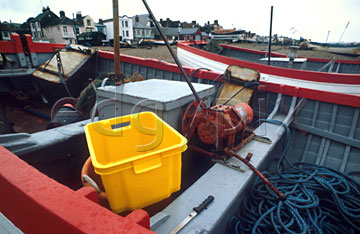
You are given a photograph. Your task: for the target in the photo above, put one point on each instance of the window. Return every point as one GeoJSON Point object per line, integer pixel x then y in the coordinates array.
{"type": "Point", "coordinates": [127, 33]}
{"type": "Point", "coordinates": [88, 22]}
{"type": "Point", "coordinates": [126, 24]}
{"type": "Point", "coordinates": [32, 27]}
{"type": "Point", "coordinates": [88, 38]}
{"type": "Point", "coordinates": [5, 35]}
{"type": "Point", "coordinates": [77, 30]}
{"type": "Point", "coordinates": [143, 32]}
{"type": "Point", "coordinates": [38, 25]}
{"type": "Point", "coordinates": [122, 23]}
{"type": "Point", "coordinates": [148, 32]}
{"type": "Point", "coordinates": [123, 33]}
{"type": "Point", "coordinates": [65, 30]}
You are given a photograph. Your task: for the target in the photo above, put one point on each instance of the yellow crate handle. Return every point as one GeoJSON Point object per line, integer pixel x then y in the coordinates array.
{"type": "Point", "coordinates": [104, 127]}
{"type": "Point", "coordinates": [146, 165]}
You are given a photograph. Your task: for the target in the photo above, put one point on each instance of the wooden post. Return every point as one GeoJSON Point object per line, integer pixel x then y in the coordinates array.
{"type": "Point", "coordinates": [270, 34]}
{"type": "Point", "coordinates": [116, 39]}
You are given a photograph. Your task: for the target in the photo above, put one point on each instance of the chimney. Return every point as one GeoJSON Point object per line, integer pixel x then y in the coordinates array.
{"type": "Point", "coordinates": [137, 18]}
{"type": "Point", "coordinates": [78, 15]}
{"type": "Point", "coordinates": [216, 22]}
{"type": "Point", "coordinates": [43, 9]}
{"type": "Point", "coordinates": [62, 14]}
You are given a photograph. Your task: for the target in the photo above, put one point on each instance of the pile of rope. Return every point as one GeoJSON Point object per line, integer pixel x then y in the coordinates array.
{"type": "Point", "coordinates": [319, 200]}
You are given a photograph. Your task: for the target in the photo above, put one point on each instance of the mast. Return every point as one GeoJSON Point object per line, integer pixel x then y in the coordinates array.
{"type": "Point", "coordinates": [344, 31]}
{"type": "Point", "coordinates": [327, 36]}
{"type": "Point", "coordinates": [271, 16]}
{"type": "Point", "coordinates": [116, 38]}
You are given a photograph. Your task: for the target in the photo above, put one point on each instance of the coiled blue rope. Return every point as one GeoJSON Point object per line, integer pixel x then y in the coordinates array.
{"type": "Point", "coordinates": [319, 200]}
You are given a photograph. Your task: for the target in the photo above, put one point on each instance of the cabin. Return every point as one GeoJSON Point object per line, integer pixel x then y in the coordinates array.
{"type": "Point", "coordinates": [91, 38]}
{"type": "Point", "coordinates": [61, 30]}
{"type": "Point", "coordinates": [190, 34]}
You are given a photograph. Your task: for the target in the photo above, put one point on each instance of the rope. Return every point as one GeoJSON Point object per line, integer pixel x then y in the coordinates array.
{"type": "Point", "coordinates": [319, 200]}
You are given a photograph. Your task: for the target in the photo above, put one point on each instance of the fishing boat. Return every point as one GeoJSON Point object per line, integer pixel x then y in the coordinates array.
{"type": "Point", "coordinates": [330, 75]}
{"type": "Point", "coordinates": [337, 48]}
{"type": "Point", "coordinates": [40, 172]}
{"type": "Point", "coordinates": [233, 35]}
{"type": "Point", "coordinates": [61, 74]}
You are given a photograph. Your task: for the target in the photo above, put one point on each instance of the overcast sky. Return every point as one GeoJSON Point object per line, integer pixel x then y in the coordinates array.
{"type": "Point", "coordinates": [307, 18]}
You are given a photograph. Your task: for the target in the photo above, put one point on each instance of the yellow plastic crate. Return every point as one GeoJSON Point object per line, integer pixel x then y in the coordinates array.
{"type": "Point", "coordinates": [138, 157]}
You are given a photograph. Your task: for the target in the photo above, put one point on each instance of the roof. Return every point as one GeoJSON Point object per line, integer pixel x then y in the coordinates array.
{"type": "Point", "coordinates": [187, 31]}
{"type": "Point", "coordinates": [62, 21]}
{"type": "Point", "coordinates": [139, 25]}
{"type": "Point", "coordinates": [5, 27]}
{"type": "Point", "coordinates": [120, 17]}
{"type": "Point", "coordinates": [45, 18]}
{"type": "Point", "coordinates": [143, 19]}
{"type": "Point", "coordinates": [14, 27]}
{"type": "Point", "coordinates": [168, 31]}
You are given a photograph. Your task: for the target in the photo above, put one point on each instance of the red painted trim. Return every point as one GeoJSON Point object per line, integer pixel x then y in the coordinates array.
{"type": "Point", "coordinates": [8, 47]}
{"type": "Point", "coordinates": [18, 45]}
{"type": "Point", "coordinates": [342, 99]}
{"type": "Point", "coordinates": [30, 43]}
{"type": "Point", "coordinates": [158, 64]}
{"type": "Point", "coordinates": [37, 204]}
{"type": "Point", "coordinates": [338, 98]}
{"type": "Point", "coordinates": [273, 54]}
{"type": "Point", "coordinates": [277, 71]}
{"type": "Point", "coordinates": [41, 47]}
{"type": "Point", "coordinates": [12, 47]}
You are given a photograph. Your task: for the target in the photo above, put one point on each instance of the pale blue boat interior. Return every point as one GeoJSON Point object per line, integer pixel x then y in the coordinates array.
{"type": "Point", "coordinates": [321, 133]}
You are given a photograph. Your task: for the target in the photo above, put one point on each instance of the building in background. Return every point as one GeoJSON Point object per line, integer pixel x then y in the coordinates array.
{"type": "Point", "coordinates": [61, 30]}
{"type": "Point", "coordinates": [91, 38]}
{"type": "Point", "coordinates": [84, 23]}
{"type": "Point", "coordinates": [7, 28]}
{"type": "Point", "coordinates": [142, 30]}
{"type": "Point", "coordinates": [170, 33]}
{"type": "Point", "coordinates": [126, 30]}
{"type": "Point", "coordinates": [38, 23]}
{"type": "Point", "coordinates": [190, 34]}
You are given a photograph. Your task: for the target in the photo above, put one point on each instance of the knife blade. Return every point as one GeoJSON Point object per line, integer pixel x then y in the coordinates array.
{"type": "Point", "coordinates": [196, 210]}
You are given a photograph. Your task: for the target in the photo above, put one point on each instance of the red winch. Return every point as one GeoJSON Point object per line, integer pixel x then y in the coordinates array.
{"type": "Point", "coordinates": [221, 130]}
{"type": "Point", "coordinates": [221, 126]}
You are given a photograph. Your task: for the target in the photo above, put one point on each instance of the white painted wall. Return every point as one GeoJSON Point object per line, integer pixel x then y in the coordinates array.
{"type": "Point", "coordinates": [125, 29]}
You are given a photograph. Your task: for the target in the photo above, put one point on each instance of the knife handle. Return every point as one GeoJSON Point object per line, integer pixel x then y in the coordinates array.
{"type": "Point", "coordinates": [204, 204]}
